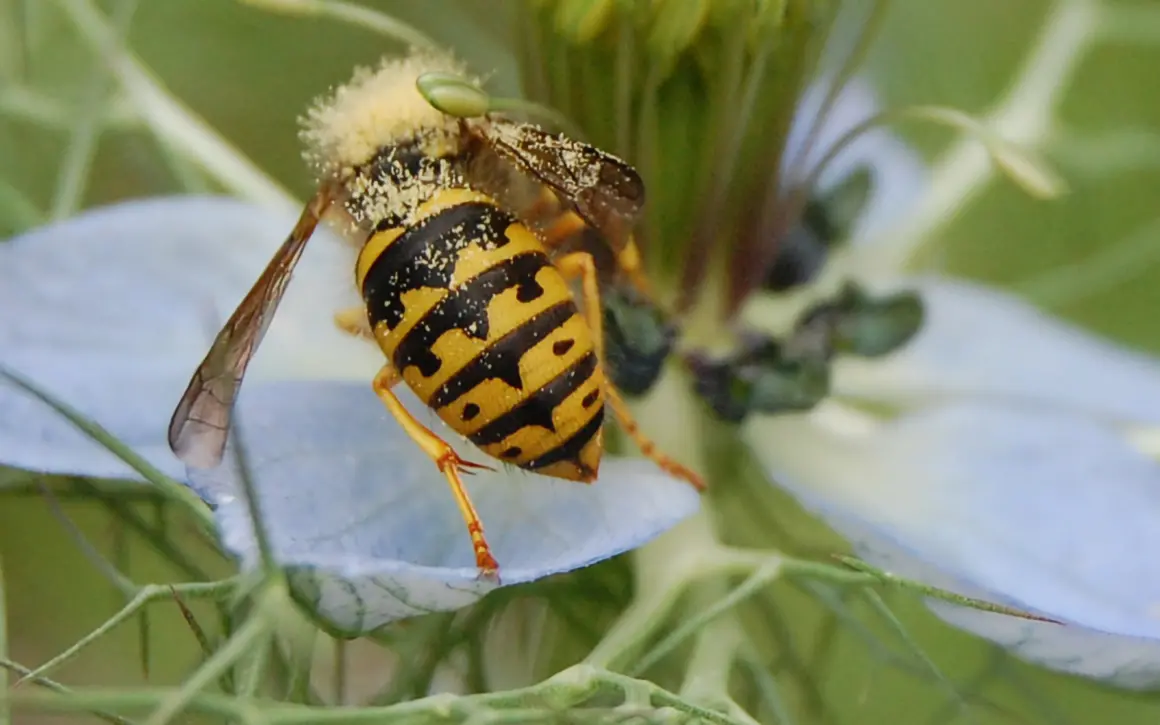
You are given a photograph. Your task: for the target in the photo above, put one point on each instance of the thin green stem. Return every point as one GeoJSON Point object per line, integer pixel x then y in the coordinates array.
{"type": "Point", "coordinates": [5, 711]}
{"type": "Point", "coordinates": [634, 625]}
{"type": "Point", "coordinates": [121, 505]}
{"type": "Point", "coordinates": [295, 648]}
{"type": "Point", "coordinates": [625, 66]}
{"type": "Point", "coordinates": [170, 488]}
{"type": "Point", "coordinates": [91, 699]}
{"type": "Point", "coordinates": [647, 154]}
{"type": "Point", "coordinates": [664, 568]}
{"type": "Point", "coordinates": [255, 666]}
{"type": "Point", "coordinates": [253, 501]}
{"type": "Point", "coordinates": [146, 595]}
{"type": "Point", "coordinates": [168, 118]}
{"type": "Point", "coordinates": [184, 171]}
{"type": "Point", "coordinates": [35, 107]}
{"type": "Point", "coordinates": [1024, 116]}
{"type": "Point", "coordinates": [123, 584]}
{"type": "Point", "coordinates": [707, 616]}
{"type": "Point", "coordinates": [571, 688]}
{"type": "Point", "coordinates": [357, 15]}
{"type": "Point", "coordinates": [53, 686]}
{"type": "Point", "coordinates": [255, 630]}
{"type": "Point", "coordinates": [739, 89]}
{"type": "Point", "coordinates": [711, 662]}
{"type": "Point", "coordinates": [87, 126]}
{"type": "Point", "coordinates": [883, 610]}
{"type": "Point", "coordinates": [1020, 165]}
{"type": "Point", "coordinates": [850, 66]}
{"type": "Point", "coordinates": [339, 694]}
{"type": "Point", "coordinates": [767, 687]}
{"type": "Point", "coordinates": [927, 590]}
{"type": "Point", "coordinates": [531, 57]}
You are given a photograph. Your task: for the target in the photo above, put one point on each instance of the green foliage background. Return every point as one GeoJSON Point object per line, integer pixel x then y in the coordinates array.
{"type": "Point", "coordinates": [1089, 256]}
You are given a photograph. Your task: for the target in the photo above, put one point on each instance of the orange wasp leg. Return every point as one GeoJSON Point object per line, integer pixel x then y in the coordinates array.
{"type": "Point", "coordinates": [580, 265]}
{"type": "Point", "coordinates": [354, 321]}
{"type": "Point", "coordinates": [448, 462]}
{"type": "Point", "coordinates": [569, 224]}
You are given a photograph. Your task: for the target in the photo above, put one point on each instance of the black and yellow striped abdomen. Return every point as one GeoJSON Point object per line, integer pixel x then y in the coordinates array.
{"type": "Point", "coordinates": [468, 307]}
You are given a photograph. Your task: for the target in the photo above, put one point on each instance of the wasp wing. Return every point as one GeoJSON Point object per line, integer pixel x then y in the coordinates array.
{"type": "Point", "coordinates": [200, 424]}
{"type": "Point", "coordinates": [604, 190]}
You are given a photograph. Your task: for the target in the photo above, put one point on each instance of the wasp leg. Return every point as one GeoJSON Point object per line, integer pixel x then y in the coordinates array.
{"type": "Point", "coordinates": [353, 320]}
{"type": "Point", "coordinates": [628, 259]}
{"type": "Point", "coordinates": [567, 225]}
{"type": "Point", "coordinates": [448, 462]}
{"type": "Point", "coordinates": [580, 264]}
{"type": "Point", "coordinates": [563, 227]}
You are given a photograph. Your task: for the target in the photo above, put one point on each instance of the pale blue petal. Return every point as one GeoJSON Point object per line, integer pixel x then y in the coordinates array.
{"type": "Point", "coordinates": [1036, 508]}
{"type": "Point", "coordinates": [111, 312]}
{"type": "Point", "coordinates": [370, 524]}
{"type": "Point", "coordinates": [980, 342]}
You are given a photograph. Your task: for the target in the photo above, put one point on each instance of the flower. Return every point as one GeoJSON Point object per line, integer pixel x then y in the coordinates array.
{"type": "Point", "coordinates": [1009, 457]}
{"type": "Point", "coordinates": [111, 311]}
{"type": "Point", "coordinates": [999, 453]}
{"type": "Point", "coordinates": [980, 456]}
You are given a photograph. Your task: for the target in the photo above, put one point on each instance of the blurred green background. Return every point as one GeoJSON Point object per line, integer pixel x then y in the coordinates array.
{"type": "Point", "coordinates": [1089, 256]}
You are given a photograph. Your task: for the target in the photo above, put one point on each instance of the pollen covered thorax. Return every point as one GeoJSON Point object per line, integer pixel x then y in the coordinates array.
{"type": "Point", "coordinates": [375, 109]}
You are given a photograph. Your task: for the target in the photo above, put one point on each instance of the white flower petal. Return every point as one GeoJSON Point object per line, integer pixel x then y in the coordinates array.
{"type": "Point", "coordinates": [346, 494]}
{"type": "Point", "coordinates": [111, 311]}
{"type": "Point", "coordinates": [1030, 507]}
{"type": "Point", "coordinates": [979, 342]}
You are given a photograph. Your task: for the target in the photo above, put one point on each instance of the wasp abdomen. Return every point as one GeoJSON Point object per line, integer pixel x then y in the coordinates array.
{"type": "Point", "coordinates": [483, 328]}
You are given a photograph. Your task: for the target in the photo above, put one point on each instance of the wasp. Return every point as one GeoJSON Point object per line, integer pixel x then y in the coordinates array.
{"type": "Point", "coordinates": [462, 229]}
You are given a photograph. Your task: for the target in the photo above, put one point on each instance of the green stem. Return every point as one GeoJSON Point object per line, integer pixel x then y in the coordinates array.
{"type": "Point", "coordinates": [170, 488]}
{"type": "Point", "coordinates": [709, 667]}
{"type": "Point", "coordinates": [849, 68]}
{"type": "Point", "coordinates": [55, 687]}
{"type": "Point", "coordinates": [5, 711]}
{"type": "Point", "coordinates": [255, 666]}
{"type": "Point", "coordinates": [255, 631]}
{"type": "Point", "coordinates": [572, 688]}
{"type": "Point", "coordinates": [168, 118]}
{"type": "Point", "coordinates": [146, 595]}
{"type": "Point", "coordinates": [87, 126]}
{"type": "Point", "coordinates": [1025, 116]}
{"type": "Point", "coordinates": [708, 616]}
{"type": "Point", "coordinates": [34, 107]}
{"type": "Point", "coordinates": [664, 566]}
{"type": "Point", "coordinates": [357, 15]}
{"type": "Point", "coordinates": [635, 624]}
{"type": "Point", "coordinates": [110, 570]}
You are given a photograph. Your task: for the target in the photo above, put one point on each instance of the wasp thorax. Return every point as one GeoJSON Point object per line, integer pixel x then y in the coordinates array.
{"type": "Point", "coordinates": [388, 189]}
{"type": "Point", "coordinates": [378, 108]}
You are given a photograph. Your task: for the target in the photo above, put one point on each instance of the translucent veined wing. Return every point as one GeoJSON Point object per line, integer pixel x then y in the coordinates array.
{"type": "Point", "coordinates": [604, 190]}
{"type": "Point", "coordinates": [200, 424]}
